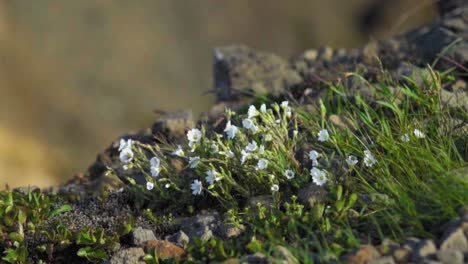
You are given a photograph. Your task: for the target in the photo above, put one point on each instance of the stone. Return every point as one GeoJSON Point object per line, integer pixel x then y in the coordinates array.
{"type": "Point", "coordinates": [201, 225]}
{"type": "Point", "coordinates": [424, 249]}
{"type": "Point", "coordinates": [229, 230]}
{"type": "Point", "coordinates": [140, 235]}
{"type": "Point", "coordinates": [383, 260]}
{"type": "Point", "coordinates": [173, 125]}
{"type": "Point", "coordinates": [257, 258]}
{"type": "Point", "coordinates": [454, 239]}
{"type": "Point", "coordinates": [231, 261]}
{"type": "Point", "coordinates": [165, 249]}
{"type": "Point", "coordinates": [454, 99]}
{"type": "Point", "coordinates": [450, 256]}
{"type": "Point", "coordinates": [132, 255]}
{"type": "Point", "coordinates": [238, 68]}
{"type": "Point", "coordinates": [283, 254]}
{"type": "Point", "coordinates": [311, 195]}
{"type": "Point", "coordinates": [310, 55]}
{"type": "Point", "coordinates": [387, 247]}
{"type": "Point", "coordinates": [179, 238]}
{"type": "Point", "coordinates": [264, 200]}
{"type": "Point", "coordinates": [325, 53]}
{"type": "Point", "coordinates": [402, 255]}
{"type": "Point", "coordinates": [364, 254]}
{"type": "Point", "coordinates": [336, 120]}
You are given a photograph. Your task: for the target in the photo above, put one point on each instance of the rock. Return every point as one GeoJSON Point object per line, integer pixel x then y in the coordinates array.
{"type": "Point", "coordinates": [424, 249]}
{"type": "Point", "coordinates": [231, 261]}
{"type": "Point", "coordinates": [364, 254]}
{"type": "Point", "coordinates": [387, 247]}
{"type": "Point", "coordinates": [418, 75]}
{"type": "Point", "coordinates": [454, 99]}
{"type": "Point", "coordinates": [173, 125]}
{"type": "Point", "coordinates": [310, 55]}
{"type": "Point", "coordinates": [140, 235]}
{"type": "Point", "coordinates": [229, 230]}
{"type": "Point", "coordinates": [336, 120]}
{"type": "Point", "coordinates": [454, 239]}
{"type": "Point", "coordinates": [450, 256]}
{"type": "Point", "coordinates": [402, 255]}
{"type": "Point", "coordinates": [458, 86]}
{"type": "Point", "coordinates": [257, 258]}
{"type": "Point", "coordinates": [325, 53]}
{"type": "Point", "coordinates": [311, 195]}
{"type": "Point", "coordinates": [284, 255]}
{"type": "Point", "coordinates": [179, 238]}
{"type": "Point", "coordinates": [128, 256]}
{"type": "Point", "coordinates": [201, 225]}
{"type": "Point", "coordinates": [238, 68]}
{"type": "Point", "coordinates": [165, 249]}
{"type": "Point", "coordinates": [383, 260]}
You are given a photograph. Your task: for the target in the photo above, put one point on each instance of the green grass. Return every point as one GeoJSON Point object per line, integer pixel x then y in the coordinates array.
{"type": "Point", "coordinates": [413, 187]}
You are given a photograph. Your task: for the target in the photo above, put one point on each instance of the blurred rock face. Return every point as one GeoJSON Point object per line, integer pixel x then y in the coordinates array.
{"type": "Point", "coordinates": [74, 75]}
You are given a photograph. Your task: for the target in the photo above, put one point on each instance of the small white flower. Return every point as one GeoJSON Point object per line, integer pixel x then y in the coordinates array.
{"type": "Point", "coordinates": [267, 138]}
{"type": "Point", "coordinates": [167, 185]}
{"type": "Point", "coordinates": [284, 104]}
{"type": "Point", "coordinates": [369, 159]}
{"type": "Point", "coordinates": [262, 164]}
{"type": "Point", "coordinates": [277, 121]}
{"type": "Point", "coordinates": [247, 123]}
{"type": "Point", "coordinates": [275, 188]}
{"type": "Point", "coordinates": [261, 150]}
{"type": "Point", "coordinates": [126, 167]}
{"type": "Point", "coordinates": [197, 187]}
{"type": "Point", "coordinates": [214, 148]}
{"type": "Point", "coordinates": [295, 132]}
{"type": "Point", "coordinates": [230, 154]}
{"type": "Point", "coordinates": [418, 133]}
{"type": "Point", "coordinates": [288, 112]}
{"type": "Point", "coordinates": [245, 156]}
{"type": "Point", "coordinates": [251, 147]}
{"type": "Point", "coordinates": [149, 186]}
{"type": "Point", "coordinates": [271, 176]}
{"type": "Point", "coordinates": [351, 160]}
{"type": "Point", "coordinates": [155, 171]}
{"type": "Point", "coordinates": [252, 112]}
{"type": "Point", "coordinates": [125, 144]}
{"type": "Point", "coordinates": [254, 129]}
{"type": "Point", "coordinates": [126, 155]}
{"type": "Point", "coordinates": [155, 162]}
{"type": "Point", "coordinates": [313, 156]}
{"type": "Point", "coordinates": [318, 176]}
{"type": "Point", "coordinates": [178, 152]}
{"type": "Point", "coordinates": [212, 176]}
{"type": "Point", "coordinates": [194, 161]}
{"type": "Point", "coordinates": [193, 135]}
{"type": "Point", "coordinates": [231, 130]}
{"type": "Point", "coordinates": [289, 174]}
{"type": "Point", "coordinates": [323, 135]}
{"type": "Point", "coordinates": [405, 137]}
{"type": "Point", "coordinates": [263, 108]}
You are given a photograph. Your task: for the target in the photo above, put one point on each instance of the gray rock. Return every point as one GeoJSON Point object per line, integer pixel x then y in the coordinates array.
{"type": "Point", "coordinates": [239, 68]}
{"type": "Point", "coordinates": [257, 258]}
{"type": "Point", "coordinates": [128, 256]}
{"type": "Point", "coordinates": [173, 125]}
{"type": "Point", "coordinates": [424, 249]}
{"type": "Point", "coordinates": [454, 239]}
{"type": "Point", "coordinates": [325, 53]}
{"type": "Point", "coordinates": [284, 255]}
{"type": "Point", "coordinates": [454, 99]}
{"type": "Point", "coordinates": [179, 238]}
{"type": "Point", "coordinates": [201, 225]}
{"type": "Point", "coordinates": [450, 256]}
{"type": "Point", "coordinates": [264, 200]}
{"type": "Point", "coordinates": [228, 230]}
{"type": "Point", "coordinates": [140, 236]}
{"type": "Point", "coordinates": [311, 194]}
{"type": "Point", "coordinates": [383, 260]}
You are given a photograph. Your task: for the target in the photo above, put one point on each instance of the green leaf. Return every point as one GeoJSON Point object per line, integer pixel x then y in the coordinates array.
{"type": "Point", "coordinates": [339, 205]}
{"type": "Point", "coordinates": [352, 200]}
{"type": "Point", "coordinates": [15, 236]}
{"type": "Point", "coordinates": [339, 192]}
{"type": "Point", "coordinates": [11, 256]}
{"type": "Point", "coordinates": [62, 209]}
{"type": "Point", "coordinates": [94, 255]}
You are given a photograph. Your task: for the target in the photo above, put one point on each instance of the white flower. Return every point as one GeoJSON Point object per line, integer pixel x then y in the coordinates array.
{"type": "Point", "coordinates": [230, 154]}
{"type": "Point", "coordinates": [212, 176]}
{"type": "Point", "coordinates": [323, 135]}
{"type": "Point", "coordinates": [263, 108]}
{"type": "Point", "coordinates": [318, 176]}
{"type": "Point", "coordinates": [125, 144]}
{"type": "Point", "coordinates": [351, 160]}
{"type": "Point", "coordinates": [194, 161]}
{"type": "Point", "coordinates": [405, 137]}
{"type": "Point", "coordinates": [284, 104]}
{"type": "Point", "coordinates": [247, 123]}
{"type": "Point", "coordinates": [267, 138]}
{"type": "Point", "coordinates": [313, 156]}
{"type": "Point", "coordinates": [261, 149]}
{"type": "Point", "coordinates": [295, 132]}
{"type": "Point", "coordinates": [167, 185]}
{"type": "Point", "coordinates": [245, 156]}
{"type": "Point", "coordinates": [125, 167]}
{"type": "Point", "coordinates": [252, 112]}
{"type": "Point", "coordinates": [214, 148]}
{"type": "Point", "coordinates": [288, 112]}
{"type": "Point", "coordinates": [193, 135]}
{"type": "Point", "coordinates": [277, 121]}
{"type": "Point", "coordinates": [155, 162]}
{"type": "Point", "coordinates": [231, 130]}
{"type": "Point", "coordinates": [251, 147]}
{"type": "Point", "coordinates": [262, 164]}
{"type": "Point", "coordinates": [275, 188]}
{"type": "Point", "coordinates": [197, 187]}
{"type": "Point", "coordinates": [178, 152]}
{"type": "Point", "coordinates": [289, 174]}
{"type": "Point", "coordinates": [369, 159]}
{"type": "Point", "coordinates": [126, 155]}
{"type": "Point", "coordinates": [418, 133]}
{"type": "Point", "coordinates": [155, 171]}
{"type": "Point", "coordinates": [149, 186]}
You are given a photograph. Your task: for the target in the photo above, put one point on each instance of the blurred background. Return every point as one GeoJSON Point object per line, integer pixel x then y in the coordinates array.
{"type": "Point", "coordinates": [74, 75]}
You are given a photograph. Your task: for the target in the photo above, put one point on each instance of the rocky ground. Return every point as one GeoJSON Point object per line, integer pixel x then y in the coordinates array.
{"type": "Point", "coordinates": [101, 201]}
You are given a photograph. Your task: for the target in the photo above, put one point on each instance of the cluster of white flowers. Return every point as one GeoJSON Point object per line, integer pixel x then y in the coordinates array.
{"type": "Point", "coordinates": [154, 166]}
{"type": "Point", "coordinates": [126, 153]}
{"type": "Point", "coordinates": [286, 108]}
